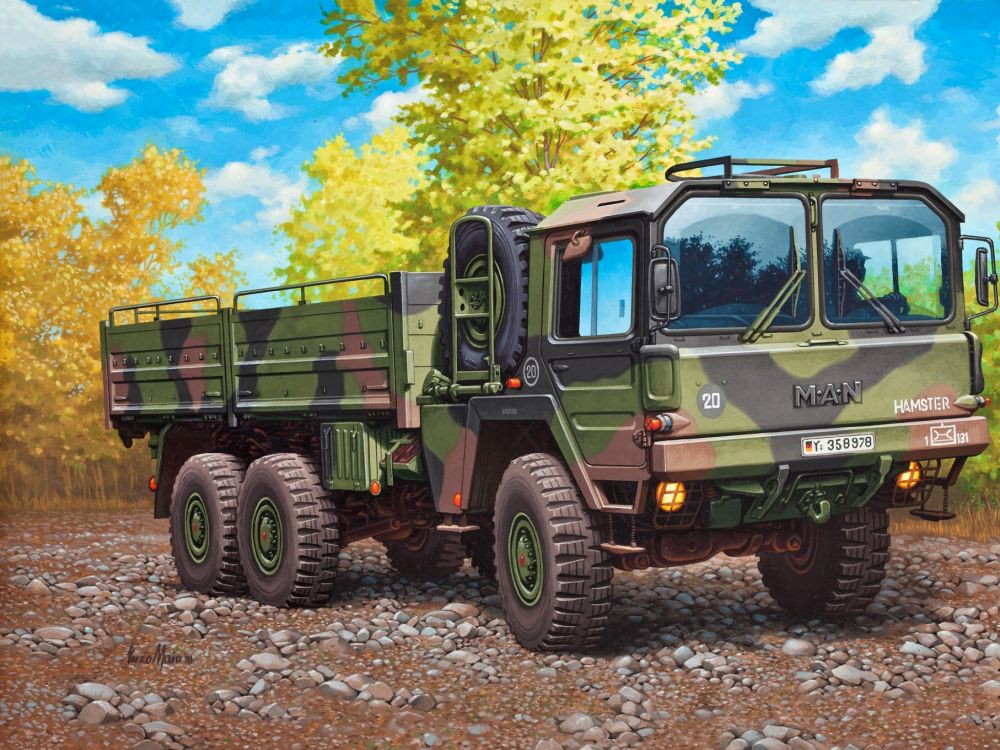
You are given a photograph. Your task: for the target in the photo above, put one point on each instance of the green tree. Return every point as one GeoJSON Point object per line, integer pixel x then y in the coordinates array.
{"type": "Point", "coordinates": [531, 102]}
{"type": "Point", "coordinates": [982, 473]}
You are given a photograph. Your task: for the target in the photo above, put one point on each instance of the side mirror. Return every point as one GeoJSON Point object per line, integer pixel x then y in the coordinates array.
{"type": "Point", "coordinates": [985, 277]}
{"type": "Point", "coordinates": [664, 289]}
{"type": "Point", "coordinates": [982, 277]}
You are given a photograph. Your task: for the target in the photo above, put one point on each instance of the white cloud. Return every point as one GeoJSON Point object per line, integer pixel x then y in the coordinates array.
{"type": "Point", "coordinates": [386, 106]}
{"type": "Point", "coordinates": [261, 153]}
{"type": "Point", "coordinates": [892, 48]}
{"type": "Point", "coordinates": [246, 80]}
{"type": "Point", "coordinates": [72, 59]}
{"type": "Point", "coordinates": [901, 151]}
{"type": "Point", "coordinates": [205, 14]}
{"type": "Point", "coordinates": [275, 191]}
{"type": "Point", "coordinates": [724, 100]}
{"type": "Point", "coordinates": [185, 126]}
{"type": "Point", "coordinates": [979, 195]}
{"type": "Point", "coordinates": [892, 51]}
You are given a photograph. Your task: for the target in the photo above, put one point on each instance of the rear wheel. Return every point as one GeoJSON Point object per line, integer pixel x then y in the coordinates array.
{"type": "Point", "coordinates": [838, 570]}
{"type": "Point", "coordinates": [203, 523]}
{"type": "Point", "coordinates": [427, 552]}
{"type": "Point", "coordinates": [554, 578]}
{"type": "Point", "coordinates": [288, 531]}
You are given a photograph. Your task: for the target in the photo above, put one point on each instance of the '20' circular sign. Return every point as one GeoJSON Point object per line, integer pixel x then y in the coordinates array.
{"type": "Point", "coordinates": [531, 370]}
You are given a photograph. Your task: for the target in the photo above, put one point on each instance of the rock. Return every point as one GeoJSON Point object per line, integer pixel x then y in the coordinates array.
{"type": "Point", "coordinates": [915, 649]}
{"type": "Point", "coordinates": [848, 674]}
{"type": "Point", "coordinates": [380, 691]}
{"type": "Point", "coordinates": [37, 586]}
{"type": "Point", "coordinates": [463, 609]}
{"type": "Point", "coordinates": [627, 663]}
{"type": "Point", "coordinates": [769, 743]}
{"type": "Point", "coordinates": [738, 744]}
{"type": "Point", "coordinates": [270, 662]}
{"type": "Point", "coordinates": [430, 739]}
{"type": "Point", "coordinates": [152, 727]}
{"type": "Point", "coordinates": [576, 722]}
{"type": "Point", "coordinates": [423, 702]}
{"type": "Point", "coordinates": [54, 633]}
{"type": "Point", "coordinates": [682, 654]}
{"type": "Point", "coordinates": [95, 691]}
{"type": "Point", "coordinates": [284, 637]}
{"type": "Point", "coordinates": [99, 712]}
{"type": "Point", "coordinates": [798, 647]}
{"type": "Point", "coordinates": [338, 689]}
{"type": "Point", "coordinates": [991, 688]}
{"type": "Point", "coordinates": [548, 745]}
{"type": "Point", "coordinates": [147, 745]}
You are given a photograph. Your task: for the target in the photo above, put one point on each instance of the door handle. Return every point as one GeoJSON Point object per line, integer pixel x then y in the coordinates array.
{"type": "Point", "coordinates": [559, 368]}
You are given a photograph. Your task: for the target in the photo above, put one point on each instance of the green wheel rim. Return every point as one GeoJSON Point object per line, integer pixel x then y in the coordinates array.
{"type": "Point", "coordinates": [196, 534]}
{"type": "Point", "coordinates": [265, 536]}
{"type": "Point", "coordinates": [477, 330]}
{"type": "Point", "coordinates": [524, 554]}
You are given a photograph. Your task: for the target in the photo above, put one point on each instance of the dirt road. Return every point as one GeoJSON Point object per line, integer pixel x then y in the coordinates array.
{"type": "Point", "coordinates": [99, 647]}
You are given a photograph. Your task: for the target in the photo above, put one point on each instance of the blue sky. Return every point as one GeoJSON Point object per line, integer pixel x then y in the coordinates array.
{"type": "Point", "coordinates": [900, 88]}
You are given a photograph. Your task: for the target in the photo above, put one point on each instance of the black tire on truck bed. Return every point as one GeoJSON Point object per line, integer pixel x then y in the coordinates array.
{"type": "Point", "coordinates": [510, 257]}
{"type": "Point", "coordinates": [554, 578]}
{"type": "Point", "coordinates": [427, 552]}
{"type": "Point", "coordinates": [203, 523]}
{"type": "Point", "coordinates": [288, 531]}
{"type": "Point", "coordinates": [839, 569]}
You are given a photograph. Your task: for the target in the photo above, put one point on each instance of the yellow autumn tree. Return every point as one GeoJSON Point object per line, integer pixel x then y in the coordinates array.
{"type": "Point", "coordinates": [61, 272]}
{"type": "Point", "coordinates": [348, 223]}
{"type": "Point", "coordinates": [528, 103]}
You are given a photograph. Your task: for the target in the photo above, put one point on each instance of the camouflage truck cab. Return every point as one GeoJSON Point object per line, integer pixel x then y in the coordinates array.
{"type": "Point", "coordinates": [758, 363]}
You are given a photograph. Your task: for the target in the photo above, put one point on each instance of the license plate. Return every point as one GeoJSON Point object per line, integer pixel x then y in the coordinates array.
{"type": "Point", "coordinates": [832, 445]}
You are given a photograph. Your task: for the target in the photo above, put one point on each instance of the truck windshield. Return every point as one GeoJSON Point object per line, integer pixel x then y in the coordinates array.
{"type": "Point", "coordinates": [734, 256]}
{"type": "Point", "coordinates": [896, 249]}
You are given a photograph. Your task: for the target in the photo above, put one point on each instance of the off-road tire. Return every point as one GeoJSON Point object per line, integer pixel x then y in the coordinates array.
{"type": "Point", "coordinates": [427, 553]}
{"type": "Point", "coordinates": [510, 257]}
{"type": "Point", "coordinates": [480, 551]}
{"type": "Point", "coordinates": [283, 501]}
{"type": "Point", "coordinates": [216, 479]}
{"type": "Point", "coordinates": [574, 584]}
{"type": "Point", "coordinates": [839, 569]}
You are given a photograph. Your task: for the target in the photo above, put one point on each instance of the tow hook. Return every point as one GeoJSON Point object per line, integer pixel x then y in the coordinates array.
{"type": "Point", "coordinates": [815, 506]}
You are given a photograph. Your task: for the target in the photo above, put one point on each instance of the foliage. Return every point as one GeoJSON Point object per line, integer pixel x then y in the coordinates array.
{"type": "Point", "coordinates": [982, 473]}
{"type": "Point", "coordinates": [528, 103]}
{"type": "Point", "coordinates": [348, 224]}
{"type": "Point", "coordinates": [61, 271]}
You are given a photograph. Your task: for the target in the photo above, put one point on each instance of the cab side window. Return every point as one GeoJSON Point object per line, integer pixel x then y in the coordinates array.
{"type": "Point", "coordinates": [596, 290]}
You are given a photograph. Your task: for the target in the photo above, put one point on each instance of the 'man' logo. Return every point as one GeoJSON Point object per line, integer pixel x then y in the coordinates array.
{"type": "Point", "coordinates": [829, 394]}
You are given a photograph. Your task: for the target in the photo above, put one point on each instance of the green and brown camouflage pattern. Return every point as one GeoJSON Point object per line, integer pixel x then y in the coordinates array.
{"type": "Point", "coordinates": [374, 365]}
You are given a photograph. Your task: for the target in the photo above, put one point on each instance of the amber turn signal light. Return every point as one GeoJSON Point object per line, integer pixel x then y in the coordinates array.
{"type": "Point", "coordinates": [457, 500]}
{"type": "Point", "coordinates": [152, 483]}
{"type": "Point", "coordinates": [910, 478]}
{"type": "Point", "coordinates": [670, 496]}
{"type": "Point", "coordinates": [514, 383]}
{"type": "Point", "coordinates": [375, 488]}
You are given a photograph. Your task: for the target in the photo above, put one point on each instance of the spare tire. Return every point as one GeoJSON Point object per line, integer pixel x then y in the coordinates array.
{"type": "Point", "coordinates": [510, 292]}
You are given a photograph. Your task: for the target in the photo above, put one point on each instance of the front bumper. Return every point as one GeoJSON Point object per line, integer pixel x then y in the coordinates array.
{"type": "Point", "coordinates": [757, 454]}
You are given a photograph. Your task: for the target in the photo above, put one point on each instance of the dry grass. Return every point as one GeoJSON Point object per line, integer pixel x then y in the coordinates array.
{"type": "Point", "coordinates": [980, 523]}
{"type": "Point", "coordinates": [10, 504]}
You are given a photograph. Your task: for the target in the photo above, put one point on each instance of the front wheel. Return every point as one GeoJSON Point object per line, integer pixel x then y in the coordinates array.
{"type": "Point", "coordinates": [289, 532]}
{"type": "Point", "coordinates": [838, 570]}
{"type": "Point", "coordinates": [554, 578]}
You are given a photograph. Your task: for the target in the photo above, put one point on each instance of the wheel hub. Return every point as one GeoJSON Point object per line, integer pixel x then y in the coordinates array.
{"type": "Point", "coordinates": [524, 551]}
{"type": "Point", "coordinates": [266, 537]}
{"type": "Point", "coordinates": [196, 536]}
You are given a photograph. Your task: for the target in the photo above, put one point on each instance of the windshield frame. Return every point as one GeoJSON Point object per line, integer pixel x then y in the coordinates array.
{"type": "Point", "coordinates": [808, 283]}
{"type": "Point", "coordinates": [874, 324]}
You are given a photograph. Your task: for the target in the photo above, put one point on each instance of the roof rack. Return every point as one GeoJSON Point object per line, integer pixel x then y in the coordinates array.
{"type": "Point", "coordinates": [773, 167]}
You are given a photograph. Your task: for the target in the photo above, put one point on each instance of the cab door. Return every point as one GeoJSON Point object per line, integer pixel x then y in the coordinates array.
{"type": "Point", "coordinates": [589, 350]}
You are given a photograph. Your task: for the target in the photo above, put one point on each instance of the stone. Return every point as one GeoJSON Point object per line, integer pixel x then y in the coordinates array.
{"type": "Point", "coordinates": [850, 675]}
{"type": "Point", "coordinates": [423, 702]}
{"type": "Point", "coordinates": [769, 743]}
{"type": "Point", "coordinates": [548, 745]}
{"type": "Point", "coordinates": [915, 649]}
{"type": "Point", "coordinates": [798, 647]}
{"type": "Point", "coordinates": [37, 586]}
{"type": "Point", "coordinates": [991, 688]}
{"type": "Point", "coordinates": [462, 609]}
{"type": "Point", "coordinates": [54, 634]}
{"type": "Point", "coordinates": [166, 727]}
{"type": "Point", "coordinates": [576, 722]}
{"type": "Point", "coordinates": [99, 712]}
{"type": "Point", "coordinates": [95, 691]}
{"type": "Point", "coordinates": [380, 691]}
{"type": "Point", "coordinates": [270, 662]}
{"type": "Point", "coordinates": [186, 604]}
{"type": "Point", "coordinates": [338, 689]}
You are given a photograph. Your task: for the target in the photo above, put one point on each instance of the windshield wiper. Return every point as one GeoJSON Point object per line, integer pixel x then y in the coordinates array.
{"type": "Point", "coordinates": [892, 323]}
{"type": "Point", "coordinates": [765, 319]}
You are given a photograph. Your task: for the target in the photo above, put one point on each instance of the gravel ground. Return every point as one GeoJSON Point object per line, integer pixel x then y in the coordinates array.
{"type": "Point", "coordinates": [99, 647]}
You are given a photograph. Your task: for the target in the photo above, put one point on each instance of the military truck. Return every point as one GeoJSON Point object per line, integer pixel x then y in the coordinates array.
{"type": "Point", "coordinates": [761, 360]}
